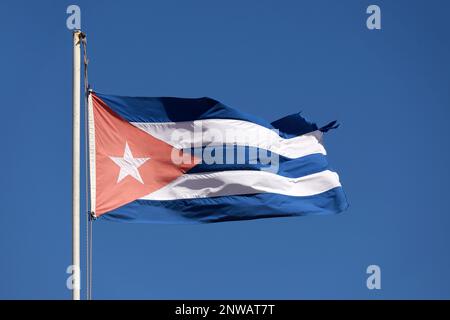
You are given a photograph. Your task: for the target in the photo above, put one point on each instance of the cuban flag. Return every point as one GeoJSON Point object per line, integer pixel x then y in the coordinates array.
{"type": "Point", "coordinates": [176, 160]}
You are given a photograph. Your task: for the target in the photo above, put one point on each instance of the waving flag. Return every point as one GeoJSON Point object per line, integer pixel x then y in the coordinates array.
{"type": "Point", "coordinates": [196, 160]}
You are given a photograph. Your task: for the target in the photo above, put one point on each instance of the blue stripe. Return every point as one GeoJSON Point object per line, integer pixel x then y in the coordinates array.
{"type": "Point", "coordinates": [229, 208]}
{"type": "Point", "coordinates": [167, 109]}
{"type": "Point", "coordinates": [292, 168]}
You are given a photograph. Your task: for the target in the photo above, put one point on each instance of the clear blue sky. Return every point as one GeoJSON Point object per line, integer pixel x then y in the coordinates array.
{"type": "Point", "coordinates": [389, 89]}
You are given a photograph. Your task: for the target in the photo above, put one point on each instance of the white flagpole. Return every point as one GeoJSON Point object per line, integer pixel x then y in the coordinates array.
{"type": "Point", "coordinates": [76, 165]}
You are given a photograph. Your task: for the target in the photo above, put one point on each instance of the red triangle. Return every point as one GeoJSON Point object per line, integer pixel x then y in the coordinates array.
{"type": "Point", "coordinates": [112, 133]}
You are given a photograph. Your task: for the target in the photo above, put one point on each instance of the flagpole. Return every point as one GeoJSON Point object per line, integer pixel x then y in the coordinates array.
{"type": "Point", "coordinates": [76, 165]}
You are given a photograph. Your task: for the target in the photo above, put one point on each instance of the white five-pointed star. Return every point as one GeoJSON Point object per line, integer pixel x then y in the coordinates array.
{"type": "Point", "coordinates": [129, 165]}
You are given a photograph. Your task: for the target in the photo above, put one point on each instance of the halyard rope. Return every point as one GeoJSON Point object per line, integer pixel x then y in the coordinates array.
{"type": "Point", "coordinates": [89, 219]}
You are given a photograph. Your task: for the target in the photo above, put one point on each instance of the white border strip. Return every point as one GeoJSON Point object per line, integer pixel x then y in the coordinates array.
{"type": "Point", "coordinates": [92, 168]}
{"type": "Point", "coordinates": [240, 182]}
{"type": "Point", "coordinates": [218, 132]}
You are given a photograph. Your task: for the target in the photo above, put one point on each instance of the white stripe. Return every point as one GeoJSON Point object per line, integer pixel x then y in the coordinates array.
{"type": "Point", "coordinates": [218, 132]}
{"type": "Point", "coordinates": [92, 172]}
{"type": "Point", "coordinates": [239, 182]}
